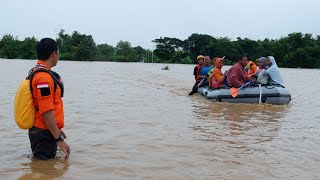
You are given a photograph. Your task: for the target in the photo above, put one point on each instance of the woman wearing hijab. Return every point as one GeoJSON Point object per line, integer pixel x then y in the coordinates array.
{"type": "Point", "coordinates": [273, 71]}
{"type": "Point", "coordinates": [216, 78]}
{"type": "Point", "coordinates": [271, 75]}
{"type": "Point", "coordinates": [262, 78]}
{"type": "Point", "coordinates": [261, 62]}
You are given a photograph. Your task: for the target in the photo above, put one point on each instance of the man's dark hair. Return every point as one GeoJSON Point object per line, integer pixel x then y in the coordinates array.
{"type": "Point", "coordinates": [46, 47]}
{"type": "Point", "coordinates": [241, 57]}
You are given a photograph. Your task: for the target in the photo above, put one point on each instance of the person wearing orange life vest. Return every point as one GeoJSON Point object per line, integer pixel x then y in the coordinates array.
{"type": "Point", "coordinates": [46, 134]}
{"type": "Point", "coordinates": [217, 77]}
{"type": "Point", "coordinates": [196, 73]}
{"type": "Point", "coordinates": [196, 70]}
{"type": "Point", "coordinates": [250, 68]}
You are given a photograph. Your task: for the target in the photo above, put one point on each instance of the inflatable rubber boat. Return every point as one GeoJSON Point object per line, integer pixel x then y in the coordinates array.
{"type": "Point", "coordinates": [270, 94]}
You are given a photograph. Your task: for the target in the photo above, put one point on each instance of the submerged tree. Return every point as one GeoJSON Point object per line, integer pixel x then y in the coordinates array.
{"type": "Point", "coordinates": [9, 47]}
{"type": "Point", "coordinates": [295, 50]}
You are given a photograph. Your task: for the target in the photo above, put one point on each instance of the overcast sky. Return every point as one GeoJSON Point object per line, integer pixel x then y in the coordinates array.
{"type": "Point", "coordinates": [141, 21]}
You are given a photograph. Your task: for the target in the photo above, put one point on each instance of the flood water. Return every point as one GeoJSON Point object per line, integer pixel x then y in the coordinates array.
{"type": "Point", "coordinates": [136, 121]}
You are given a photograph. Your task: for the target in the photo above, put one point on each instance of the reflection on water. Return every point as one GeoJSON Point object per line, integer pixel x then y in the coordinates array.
{"type": "Point", "coordinates": [242, 136]}
{"type": "Point", "coordinates": [36, 169]}
{"type": "Point", "coordinates": [135, 121]}
{"type": "Point", "coordinates": [239, 125]}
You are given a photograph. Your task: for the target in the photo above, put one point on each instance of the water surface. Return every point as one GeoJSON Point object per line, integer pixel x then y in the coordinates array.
{"type": "Point", "coordinates": [136, 121]}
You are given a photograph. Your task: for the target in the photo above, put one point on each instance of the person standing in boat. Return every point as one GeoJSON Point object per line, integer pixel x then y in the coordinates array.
{"type": "Point", "coordinates": [237, 74]}
{"type": "Point", "coordinates": [196, 70]}
{"type": "Point", "coordinates": [273, 72]}
{"type": "Point", "coordinates": [217, 77]}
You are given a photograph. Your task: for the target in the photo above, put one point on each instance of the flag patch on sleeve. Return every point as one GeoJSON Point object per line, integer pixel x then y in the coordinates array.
{"type": "Point", "coordinates": [42, 85]}
{"type": "Point", "coordinates": [44, 88]}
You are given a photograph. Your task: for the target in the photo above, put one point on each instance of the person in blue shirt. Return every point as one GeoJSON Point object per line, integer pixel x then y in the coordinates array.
{"type": "Point", "coordinates": [203, 75]}
{"type": "Point", "coordinates": [205, 68]}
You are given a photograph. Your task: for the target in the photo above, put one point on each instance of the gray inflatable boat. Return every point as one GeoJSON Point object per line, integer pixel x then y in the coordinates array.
{"type": "Point", "coordinates": [273, 94]}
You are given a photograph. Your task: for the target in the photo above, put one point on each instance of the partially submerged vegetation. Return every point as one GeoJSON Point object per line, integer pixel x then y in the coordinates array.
{"type": "Point", "coordinates": [295, 50]}
{"type": "Point", "coordinates": [165, 68]}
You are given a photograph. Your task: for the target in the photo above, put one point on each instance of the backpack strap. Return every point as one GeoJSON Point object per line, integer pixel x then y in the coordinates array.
{"type": "Point", "coordinates": [53, 74]}
{"type": "Point", "coordinates": [56, 77]}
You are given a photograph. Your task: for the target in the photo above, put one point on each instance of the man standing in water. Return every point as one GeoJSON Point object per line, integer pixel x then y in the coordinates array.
{"type": "Point", "coordinates": [47, 91]}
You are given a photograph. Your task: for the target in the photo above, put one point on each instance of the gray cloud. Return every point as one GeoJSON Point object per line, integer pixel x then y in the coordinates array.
{"type": "Point", "coordinates": [141, 21]}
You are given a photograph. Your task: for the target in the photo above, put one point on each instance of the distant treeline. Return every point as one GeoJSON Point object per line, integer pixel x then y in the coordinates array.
{"type": "Point", "coordinates": [295, 50]}
{"type": "Point", "coordinates": [77, 47]}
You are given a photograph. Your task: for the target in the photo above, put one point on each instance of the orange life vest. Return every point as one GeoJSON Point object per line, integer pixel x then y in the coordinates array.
{"type": "Point", "coordinates": [250, 68]}
{"type": "Point", "coordinates": [198, 72]}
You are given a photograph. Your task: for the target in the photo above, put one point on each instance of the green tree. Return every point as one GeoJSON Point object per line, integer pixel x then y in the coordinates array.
{"type": "Point", "coordinates": [84, 47]}
{"type": "Point", "coordinates": [165, 48]}
{"type": "Point", "coordinates": [247, 47]}
{"type": "Point", "coordinates": [77, 46]}
{"type": "Point", "coordinates": [295, 50]}
{"type": "Point", "coordinates": [10, 47]}
{"type": "Point", "coordinates": [66, 45]}
{"type": "Point", "coordinates": [199, 44]}
{"type": "Point", "coordinates": [28, 48]}
{"type": "Point", "coordinates": [105, 52]}
{"type": "Point", "coordinates": [140, 53]}
{"type": "Point", "coordinates": [265, 47]}
{"type": "Point", "coordinates": [225, 47]}
{"type": "Point", "coordinates": [125, 52]}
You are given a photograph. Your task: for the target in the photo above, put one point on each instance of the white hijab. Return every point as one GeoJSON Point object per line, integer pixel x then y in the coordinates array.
{"type": "Point", "coordinates": [274, 72]}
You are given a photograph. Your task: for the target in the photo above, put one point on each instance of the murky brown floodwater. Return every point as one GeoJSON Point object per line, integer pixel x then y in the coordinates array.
{"type": "Point", "coordinates": [136, 121]}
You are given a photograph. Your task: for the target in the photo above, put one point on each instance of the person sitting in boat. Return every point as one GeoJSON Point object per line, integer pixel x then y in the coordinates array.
{"type": "Point", "coordinates": [250, 69]}
{"type": "Point", "coordinates": [210, 71]}
{"type": "Point", "coordinates": [196, 70]}
{"type": "Point", "coordinates": [261, 62]}
{"type": "Point", "coordinates": [262, 78]}
{"type": "Point", "coordinates": [273, 72]}
{"type": "Point", "coordinates": [204, 70]}
{"type": "Point", "coordinates": [217, 77]}
{"type": "Point", "coordinates": [237, 74]}
{"type": "Point", "coordinates": [254, 80]}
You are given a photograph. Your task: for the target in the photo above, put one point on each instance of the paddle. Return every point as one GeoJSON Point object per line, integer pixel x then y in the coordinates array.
{"type": "Point", "coordinates": [234, 91]}
{"type": "Point", "coordinates": [195, 88]}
